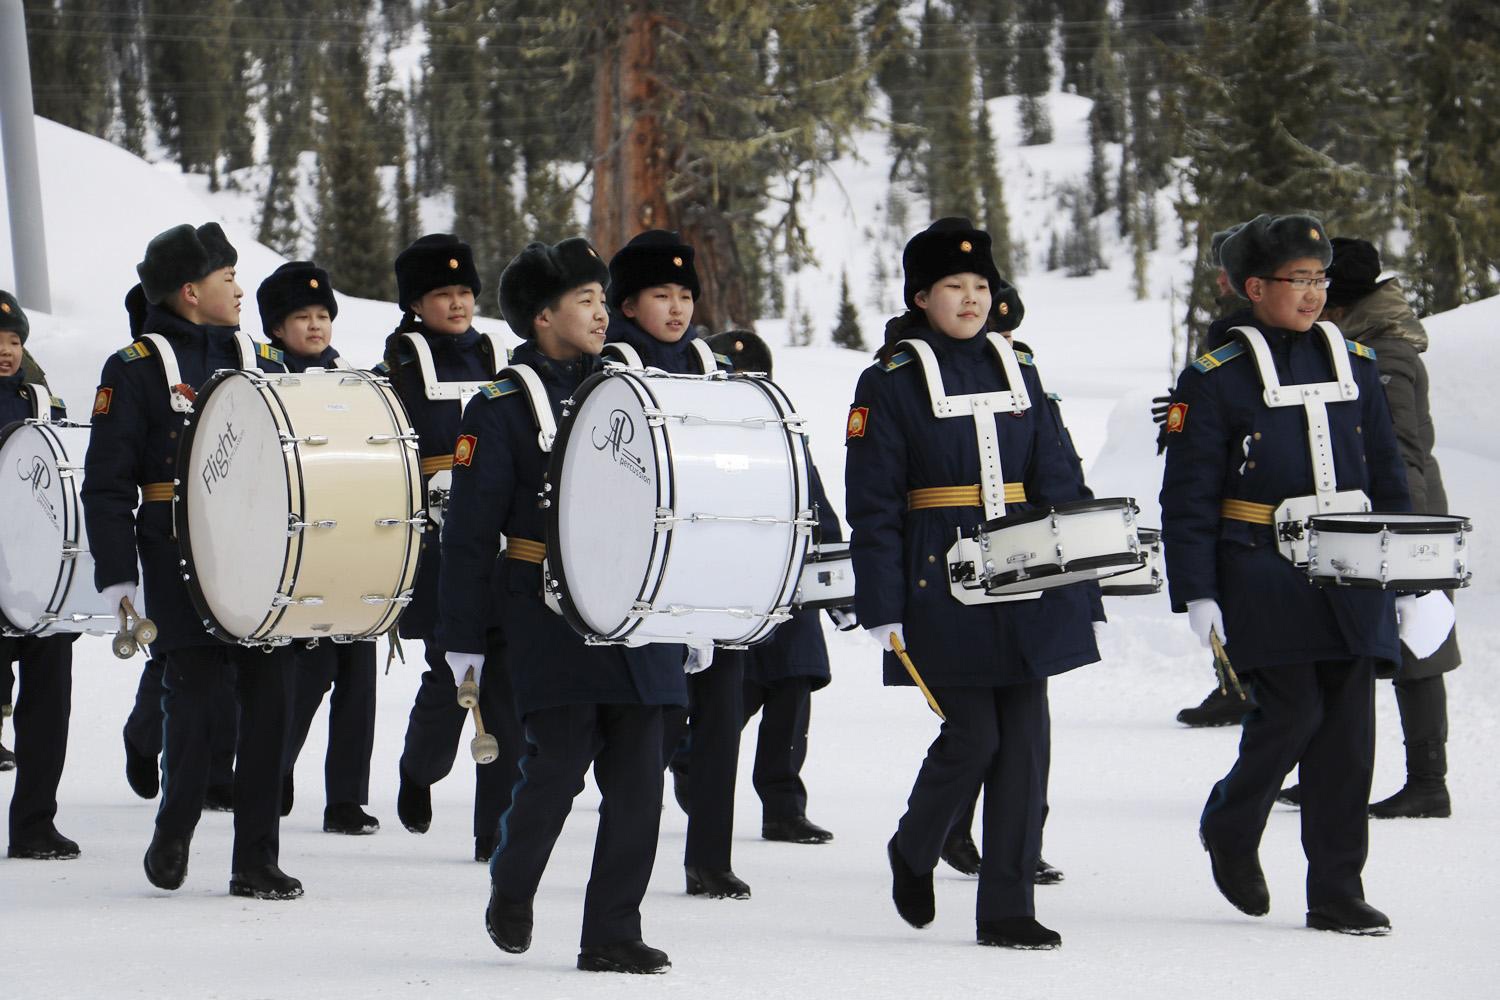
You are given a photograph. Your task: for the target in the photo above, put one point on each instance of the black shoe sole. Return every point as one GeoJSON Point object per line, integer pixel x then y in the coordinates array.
{"type": "Point", "coordinates": [795, 840]}
{"type": "Point", "coordinates": [1324, 924]}
{"type": "Point", "coordinates": [509, 947]}
{"type": "Point", "coordinates": [696, 888]}
{"type": "Point", "coordinates": [245, 892]}
{"type": "Point", "coordinates": [604, 965]}
{"type": "Point", "coordinates": [1018, 946]}
{"type": "Point", "coordinates": [44, 855]}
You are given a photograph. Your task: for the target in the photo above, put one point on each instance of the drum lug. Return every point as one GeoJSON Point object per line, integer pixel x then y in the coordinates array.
{"type": "Point", "coordinates": [402, 599]}
{"type": "Point", "coordinates": [287, 601]}
{"type": "Point", "coordinates": [288, 380]}
{"type": "Point", "coordinates": [294, 526]}
{"type": "Point", "coordinates": [388, 438]}
{"type": "Point", "coordinates": [70, 551]}
{"type": "Point", "coordinates": [290, 441]}
{"type": "Point", "coordinates": [391, 522]}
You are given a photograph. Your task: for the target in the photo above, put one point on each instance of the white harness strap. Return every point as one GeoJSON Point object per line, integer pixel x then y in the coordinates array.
{"type": "Point", "coordinates": [706, 359]}
{"type": "Point", "coordinates": [622, 354]}
{"type": "Point", "coordinates": [1314, 397]}
{"type": "Point", "coordinates": [541, 406]}
{"type": "Point", "coordinates": [982, 406]}
{"type": "Point", "coordinates": [341, 364]}
{"type": "Point", "coordinates": [431, 387]}
{"type": "Point", "coordinates": [247, 352]}
{"type": "Point", "coordinates": [41, 401]}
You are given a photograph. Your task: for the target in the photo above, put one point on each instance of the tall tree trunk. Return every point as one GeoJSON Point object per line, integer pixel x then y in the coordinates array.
{"type": "Point", "coordinates": [725, 300]}
{"type": "Point", "coordinates": [630, 162]}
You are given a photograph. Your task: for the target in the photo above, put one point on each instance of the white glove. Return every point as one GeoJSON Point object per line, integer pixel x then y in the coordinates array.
{"type": "Point", "coordinates": [1424, 622]}
{"type": "Point", "coordinates": [460, 663]}
{"type": "Point", "coordinates": [115, 593]}
{"type": "Point", "coordinates": [882, 635]}
{"type": "Point", "coordinates": [698, 658]}
{"type": "Point", "coordinates": [844, 619]}
{"type": "Point", "coordinates": [1204, 615]}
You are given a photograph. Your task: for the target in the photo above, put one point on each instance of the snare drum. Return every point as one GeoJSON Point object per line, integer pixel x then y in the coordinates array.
{"type": "Point", "coordinates": [1389, 551]}
{"type": "Point", "coordinates": [48, 581]}
{"type": "Point", "coordinates": [678, 508]}
{"type": "Point", "coordinates": [827, 579]}
{"type": "Point", "coordinates": [1042, 549]}
{"type": "Point", "coordinates": [299, 511]}
{"type": "Point", "coordinates": [1145, 580]}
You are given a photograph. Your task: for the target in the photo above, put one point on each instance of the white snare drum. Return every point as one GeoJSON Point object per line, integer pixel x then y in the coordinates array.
{"type": "Point", "coordinates": [1009, 557]}
{"type": "Point", "coordinates": [827, 579]}
{"type": "Point", "coordinates": [47, 583]}
{"type": "Point", "coordinates": [1145, 580]}
{"type": "Point", "coordinates": [1389, 551]}
{"type": "Point", "coordinates": [679, 508]}
{"type": "Point", "coordinates": [299, 507]}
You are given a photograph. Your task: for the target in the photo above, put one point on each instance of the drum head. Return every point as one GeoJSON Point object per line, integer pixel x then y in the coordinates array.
{"type": "Point", "coordinates": [605, 460]}
{"type": "Point", "coordinates": [40, 512]}
{"type": "Point", "coordinates": [232, 521]}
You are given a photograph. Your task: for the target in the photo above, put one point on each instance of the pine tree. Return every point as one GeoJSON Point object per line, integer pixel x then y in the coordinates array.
{"type": "Point", "coordinates": [890, 44]}
{"type": "Point", "coordinates": [190, 60]}
{"type": "Point", "coordinates": [996, 217]}
{"type": "Point", "coordinates": [1150, 30]}
{"type": "Point", "coordinates": [1083, 28]}
{"type": "Point", "coordinates": [950, 174]}
{"type": "Point", "coordinates": [1034, 70]}
{"type": "Point", "coordinates": [1109, 93]}
{"type": "Point", "coordinates": [1098, 166]}
{"type": "Point", "coordinates": [991, 24]}
{"type": "Point", "coordinates": [846, 332]}
{"type": "Point", "coordinates": [71, 79]}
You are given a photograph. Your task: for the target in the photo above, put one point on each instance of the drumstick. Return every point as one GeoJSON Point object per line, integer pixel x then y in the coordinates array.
{"type": "Point", "coordinates": [123, 644]}
{"type": "Point", "coordinates": [1221, 665]}
{"type": "Point", "coordinates": [911, 668]}
{"type": "Point", "coordinates": [468, 691]}
{"type": "Point", "coordinates": [144, 629]}
{"type": "Point", "coordinates": [484, 748]}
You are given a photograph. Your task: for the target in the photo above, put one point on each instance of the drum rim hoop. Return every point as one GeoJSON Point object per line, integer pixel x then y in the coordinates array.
{"type": "Point", "coordinates": [1347, 523]}
{"type": "Point", "coordinates": [1110, 560]}
{"type": "Point", "coordinates": [1043, 511]}
{"type": "Point", "coordinates": [1366, 583]}
{"type": "Point", "coordinates": [67, 569]}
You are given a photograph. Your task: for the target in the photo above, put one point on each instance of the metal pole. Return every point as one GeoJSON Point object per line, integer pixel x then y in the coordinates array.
{"type": "Point", "coordinates": [23, 183]}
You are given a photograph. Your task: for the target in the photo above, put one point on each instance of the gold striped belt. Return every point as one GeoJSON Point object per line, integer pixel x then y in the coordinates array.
{"type": "Point", "coordinates": [959, 496]}
{"type": "Point", "coordinates": [1245, 510]}
{"type": "Point", "coordinates": [153, 492]}
{"type": "Point", "coordinates": [436, 464]}
{"type": "Point", "coordinates": [525, 550]}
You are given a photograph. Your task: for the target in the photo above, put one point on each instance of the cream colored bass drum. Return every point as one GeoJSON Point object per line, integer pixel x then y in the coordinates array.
{"type": "Point", "coordinates": [299, 505]}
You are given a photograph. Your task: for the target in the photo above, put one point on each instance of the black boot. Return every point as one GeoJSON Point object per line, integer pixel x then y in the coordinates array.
{"type": "Point", "coordinates": [715, 883]}
{"type": "Point", "coordinates": [624, 956]}
{"type": "Point", "coordinates": [1349, 916]}
{"type": "Point", "coordinates": [140, 772]}
{"type": "Point", "coordinates": [167, 861]}
{"type": "Point", "coordinates": [1018, 932]}
{"type": "Point", "coordinates": [681, 786]}
{"type": "Point", "coordinates": [1216, 710]}
{"type": "Point", "coordinates": [1047, 874]}
{"type": "Point", "coordinates": [348, 818]}
{"type": "Point", "coordinates": [49, 845]}
{"type": "Point", "coordinates": [1240, 879]}
{"type": "Point", "coordinates": [288, 793]}
{"type": "Point", "coordinates": [960, 853]}
{"type": "Point", "coordinates": [484, 848]}
{"type": "Point", "coordinates": [219, 798]}
{"type": "Point", "coordinates": [794, 830]}
{"type": "Point", "coordinates": [911, 892]}
{"type": "Point", "coordinates": [1425, 795]}
{"type": "Point", "coordinates": [508, 923]}
{"type": "Point", "coordinates": [1291, 795]}
{"type": "Point", "coordinates": [414, 805]}
{"type": "Point", "coordinates": [268, 882]}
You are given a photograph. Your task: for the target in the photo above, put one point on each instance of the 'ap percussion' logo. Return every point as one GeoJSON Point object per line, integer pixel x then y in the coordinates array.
{"type": "Point", "coordinates": [216, 466]}
{"type": "Point", "coordinates": [620, 433]}
{"type": "Point", "coordinates": [39, 476]}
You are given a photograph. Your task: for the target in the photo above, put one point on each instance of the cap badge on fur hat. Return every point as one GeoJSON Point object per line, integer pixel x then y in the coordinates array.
{"type": "Point", "coordinates": [966, 246]}
{"type": "Point", "coordinates": [5, 307]}
{"type": "Point", "coordinates": [453, 263]}
{"type": "Point", "coordinates": [1005, 309]}
{"type": "Point", "coordinates": [676, 261]}
{"type": "Point", "coordinates": [312, 282]}
{"type": "Point", "coordinates": [1313, 234]}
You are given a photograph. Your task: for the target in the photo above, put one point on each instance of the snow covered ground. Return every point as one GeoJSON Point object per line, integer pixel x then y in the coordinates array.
{"type": "Point", "coordinates": [399, 915]}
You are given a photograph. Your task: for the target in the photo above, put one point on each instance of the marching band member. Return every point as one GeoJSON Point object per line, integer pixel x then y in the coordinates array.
{"type": "Point", "coordinates": [188, 277]}
{"type": "Point", "coordinates": [1310, 652]}
{"type": "Point", "coordinates": [652, 290]}
{"type": "Point", "coordinates": [986, 665]}
{"type": "Point", "coordinates": [434, 356]}
{"type": "Point", "coordinates": [45, 663]}
{"type": "Point", "coordinates": [297, 310]}
{"type": "Point", "coordinates": [782, 672]}
{"type": "Point", "coordinates": [581, 705]}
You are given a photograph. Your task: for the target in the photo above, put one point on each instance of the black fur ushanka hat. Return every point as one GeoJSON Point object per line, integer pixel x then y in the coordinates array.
{"type": "Point", "coordinates": [540, 273]}
{"type": "Point", "coordinates": [183, 254]}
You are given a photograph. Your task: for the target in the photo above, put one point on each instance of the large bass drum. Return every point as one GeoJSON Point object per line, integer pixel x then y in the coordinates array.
{"type": "Point", "coordinates": [678, 508]}
{"type": "Point", "coordinates": [299, 511]}
{"type": "Point", "coordinates": [46, 571]}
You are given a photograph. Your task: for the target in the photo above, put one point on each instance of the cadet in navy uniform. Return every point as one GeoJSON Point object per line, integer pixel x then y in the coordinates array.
{"type": "Point", "coordinates": [188, 277]}
{"type": "Point", "coordinates": [435, 358]}
{"type": "Point", "coordinates": [297, 310]}
{"type": "Point", "coordinates": [581, 705]}
{"type": "Point", "coordinates": [45, 663]}
{"type": "Point", "coordinates": [652, 292]}
{"type": "Point", "coordinates": [1309, 652]}
{"type": "Point", "coordinates": [782, 672]}
{"type": "Point", "coordinates": [913, 480]}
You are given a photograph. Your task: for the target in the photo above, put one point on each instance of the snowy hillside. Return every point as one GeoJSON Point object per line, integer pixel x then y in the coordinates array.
{"type": "Point", "coordinates": [398, 915]}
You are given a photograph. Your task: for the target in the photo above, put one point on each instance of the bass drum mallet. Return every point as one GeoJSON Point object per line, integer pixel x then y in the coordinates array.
{"type": "Point", "coordinates": [484, 748]}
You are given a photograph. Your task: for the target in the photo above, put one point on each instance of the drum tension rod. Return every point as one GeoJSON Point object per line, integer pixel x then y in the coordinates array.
{"type": "Point", "coordinates": [287, 601]}
{"type": "Point", "coordinates": [388, 438]}
{"type": "Point", "coordinates": [402, 599]}
{"type": "Point", "coordinates": [391, 522]}
{"type": "Point", "coordinates": [294, 526]}
{"type": "Point", "coordinates": [310, 439]}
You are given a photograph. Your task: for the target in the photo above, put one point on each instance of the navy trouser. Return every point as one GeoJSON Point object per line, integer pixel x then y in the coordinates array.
{"type": "Point", "coordinates": [349, 668]}
{"type": "Point", "coordinates": [42, 707]}
{"type": "Point", "coordinates": [143, 726]}
{"type": "Point", "coordinates": [785, 708]}
{"type": "Point", "coordinates": [623, 743]}
{"type": "Point", "coordinates": [1320, 716]}
{"type": "Point", "coordinates": [713, 721]}
{"type": "Point", "coordinates": [202, 684]}
{"type": "Point", "coordinates": [436, 726]}
{"type": "Point", "coordinates": [1000, 737]}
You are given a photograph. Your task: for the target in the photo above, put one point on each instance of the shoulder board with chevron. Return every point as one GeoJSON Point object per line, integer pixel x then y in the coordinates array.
{"type": "Point", "coordinates": [58, 403]}
{"type": "Point", "coordinates": [724, 361]}
{"type": "Point", "coordinates": [1025, 359]}
{"type": "Point", "coordinates": [1213, 359]}
{"type": "Point", "coordinates": [136, 351]}
{"type": "Point", "coordinates": [899, 359]}
{"type": "Point", "coordinates": [381, 368]}
{"type": "Point", "coordinates": [1054, 397]}
{"type": "Point", "coordinates": [502, 387]}
{"type": "Point", "coordinates": [270, 353]}
{"type": "Point", "coordinates": [1361, 350]}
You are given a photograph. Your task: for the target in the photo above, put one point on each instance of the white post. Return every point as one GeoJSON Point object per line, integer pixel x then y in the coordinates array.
{"type": "Point", "coordinates": [23, 186]}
